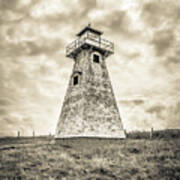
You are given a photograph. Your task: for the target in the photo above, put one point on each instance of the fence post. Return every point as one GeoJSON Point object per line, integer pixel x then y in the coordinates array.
{"type": "Point", "coordinates": [151, 133]}
{"type": "Point", "coordinates": [125, 133]}
{"type": "Point", "coordinates": [18, 134]}
{"type": "Point", "coordinates": [33, 134]}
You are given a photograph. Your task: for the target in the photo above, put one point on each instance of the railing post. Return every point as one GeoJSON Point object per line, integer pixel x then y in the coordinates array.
{"type": "Point", "coordinates": [151, 133]}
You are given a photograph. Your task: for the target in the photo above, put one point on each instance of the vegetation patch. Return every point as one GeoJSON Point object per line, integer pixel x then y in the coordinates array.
{"type": "Point", "coordinates": [86, 158]}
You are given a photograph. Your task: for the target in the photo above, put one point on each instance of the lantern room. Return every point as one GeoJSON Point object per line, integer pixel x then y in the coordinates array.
{"type": "Point", "coordinates": [89, 38]}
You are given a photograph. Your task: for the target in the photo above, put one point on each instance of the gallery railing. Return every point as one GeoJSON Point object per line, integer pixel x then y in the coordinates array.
{"type": "Point", "coordinates": [91, 40]}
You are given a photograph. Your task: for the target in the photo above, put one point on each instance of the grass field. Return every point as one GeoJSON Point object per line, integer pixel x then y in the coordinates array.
{"type": "Point", "coordinates": [83, 158]}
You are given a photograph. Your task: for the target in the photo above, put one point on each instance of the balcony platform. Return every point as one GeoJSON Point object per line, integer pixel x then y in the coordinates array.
{"type": "Point", "coordinates": [101, 45]}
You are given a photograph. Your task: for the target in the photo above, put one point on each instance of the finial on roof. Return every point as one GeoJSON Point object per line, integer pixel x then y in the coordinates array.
{"type": "Point", "coordinates": [89, 25]}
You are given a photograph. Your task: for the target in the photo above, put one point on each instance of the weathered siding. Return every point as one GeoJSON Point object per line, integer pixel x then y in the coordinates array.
{"type": "Point", "coordinates": [89, 108]}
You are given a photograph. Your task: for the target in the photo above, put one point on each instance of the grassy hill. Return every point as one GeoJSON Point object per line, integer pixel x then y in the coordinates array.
{"type": "Point", "coordinates": [84, 158]}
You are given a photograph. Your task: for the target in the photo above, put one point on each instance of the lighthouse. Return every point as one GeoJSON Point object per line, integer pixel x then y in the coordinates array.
{"type": "Point", "coordinates": [89, 108]}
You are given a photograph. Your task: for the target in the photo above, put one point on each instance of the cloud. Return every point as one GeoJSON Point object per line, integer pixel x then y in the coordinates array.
{"type": "Point", "coordinates": [168, 113]}
{"type": "Point", "coordinates": [171, 65]}
{"type": "Point", "coordinates": [173, 60]}
{"type": "Point", "coordinates": [173, 118]}
{"type": "Point", "coordinates": [162, 20]}
{"type": "Point", "coordinates": [156, 13]}
{"type": "Point", "coordinates": [87, 6]}
{"type": "Point", "coordinates": [3, 111]}
{"type": "Point", "coordinates": [116, 22]}
{"type": "Point", "coordinates": [15, 11]}
{"type": "Point", "coordinates": [65, 14]}
{"type": "Point", "coordinates": [162, 41]}
{"type": "Point", "coordinates": [5, 102]}
{"type": "Point", "coordinates": [37, 47]}
{"type": "Point", "coordinates": [157, 110]}
{"type": "Point", "coordinates": [8, 4]}
{"type": "Point", "coordinates": [134, 102]}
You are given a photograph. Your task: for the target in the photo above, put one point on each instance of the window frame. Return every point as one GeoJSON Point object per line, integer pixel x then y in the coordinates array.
{"type": "Point", "coordinates": [96, 53]}
{"type": "Point", "coordinates": [96, 58]}
{"type": "Point", "coordinates": [75, 80]}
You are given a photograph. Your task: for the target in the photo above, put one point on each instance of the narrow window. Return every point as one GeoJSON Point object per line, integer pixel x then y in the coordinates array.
{"type": "Point", "coordinates": [96, 58]}
{"type": "Point", "coordinates": [75, 82]}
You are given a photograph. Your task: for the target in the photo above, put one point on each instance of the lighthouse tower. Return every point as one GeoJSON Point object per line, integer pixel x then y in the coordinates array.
{"type": "Point", "coordinates": [89, 108]}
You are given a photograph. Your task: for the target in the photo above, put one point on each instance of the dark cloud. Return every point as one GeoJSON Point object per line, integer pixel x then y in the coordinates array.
{"type": "Point", "coordinates": [162, 17]}
{"type": "Point", "coordinates": [174, 116]}
{"type": "Point", "coordinates": [17, 5]}
{"type": "Point", "coordinates": [139, 102]}
{"type": "Point", "coordinates": [156, 109]}
{"type": "Point", "coordinates": [117, 22]}
{"type": "Point", "coordinates": [178, 53]}
{"type": "Point", "coordinates": [151, 13]}
{"type": "Point", "coordinates": [86, 6]}
{"type": "Point", "coordinates": [57, 19]}
{"type": "Point", "coordinates": [9, 4]}
{"type": "Point", "coordinates": [173, 60]}
{"type": "Point", "coordinates": [3, 112]}
{"type": "Point", "coordinates": [155, 13]}
{"type": "Point", "coordinates": [75, 14]}
{"type": "Point", "coordinates": [10, 121]}
{"type": "Point", "coordinates": [135, 102]}
{"type": "Point", "coordinates": [177, 85]}
{"type": "Point", "coordinates": [5, 102]}
{"type": "Point", "coordinates": [171, 64]}
{"type": "Point", "coordinates": [169, 114]}
{"type": "Point", "coordinates": [162, 41]}
{"type": "Point", "coordinates": [41, 46]}
{"type": "Point", "coordinates": [131, 56]}
{"type": "Point", "coordinates": [177, 108]}
{"type": "Point", "coordinates": [14, 11]}
{"type": "Point", "coordinates": [46, 46]}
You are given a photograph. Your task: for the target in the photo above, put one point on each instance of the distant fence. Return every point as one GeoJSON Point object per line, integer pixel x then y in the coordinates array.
{"type": "Point", "coordinates": [152, 134]}
{"type": "Point", "coordinates": [160, 134]}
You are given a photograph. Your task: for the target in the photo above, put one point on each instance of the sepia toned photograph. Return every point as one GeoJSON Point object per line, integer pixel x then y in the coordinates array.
{"type": "Point", "coordinates": [89, 89]}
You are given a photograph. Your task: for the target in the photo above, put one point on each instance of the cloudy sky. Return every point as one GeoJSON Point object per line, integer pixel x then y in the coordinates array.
{"type": "Point", "coordinates": [34, 72]}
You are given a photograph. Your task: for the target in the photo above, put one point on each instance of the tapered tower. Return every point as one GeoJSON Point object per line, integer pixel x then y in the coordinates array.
{"type": "Point", "coordinates": [89, 108]}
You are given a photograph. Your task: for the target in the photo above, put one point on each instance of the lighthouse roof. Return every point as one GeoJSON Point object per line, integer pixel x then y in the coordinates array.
{"type": "Point", "coordinates": [89, 28]}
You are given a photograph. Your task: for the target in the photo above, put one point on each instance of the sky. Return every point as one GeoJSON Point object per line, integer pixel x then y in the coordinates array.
{"type": "Point", "coordinates": [34, 72]}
